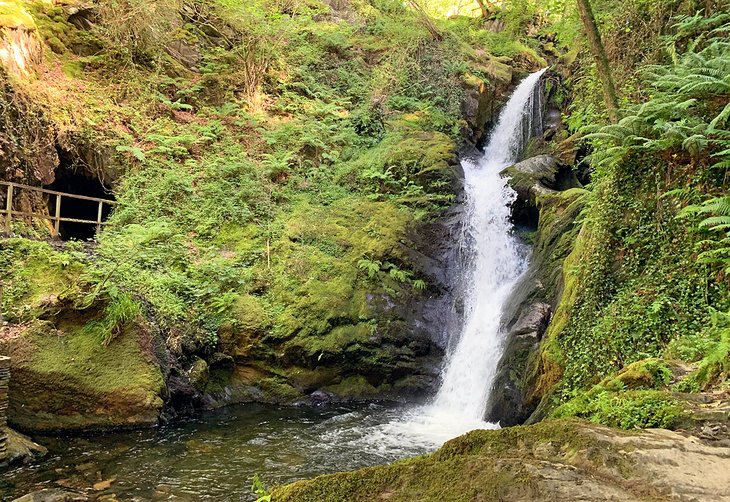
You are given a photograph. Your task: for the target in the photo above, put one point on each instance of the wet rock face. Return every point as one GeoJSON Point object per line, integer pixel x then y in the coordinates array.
{"type": "Point", "coordinates": [483, 99]}
{"type": "Point", "coordinates": [508, 405]}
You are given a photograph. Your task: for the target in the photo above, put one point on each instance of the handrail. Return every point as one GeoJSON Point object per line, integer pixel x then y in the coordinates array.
{"type": "Point", "coordinates": [53, 192]}
{"type": "Point", "coordinates": [56, 217]}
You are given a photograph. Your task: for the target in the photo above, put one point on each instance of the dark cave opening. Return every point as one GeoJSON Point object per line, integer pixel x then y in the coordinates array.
{"type": "Point", "coordinates": [525, 216]}
{"type": "Point", "coordinates": [78, 183]}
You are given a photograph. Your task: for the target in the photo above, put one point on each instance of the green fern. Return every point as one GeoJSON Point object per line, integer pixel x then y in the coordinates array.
{"type": "Point", "coordinates": [371, 267]}
{"type": "Point", "coordinates": [716, 218]}
{"type": "Point", "coordinates": [688, 111]}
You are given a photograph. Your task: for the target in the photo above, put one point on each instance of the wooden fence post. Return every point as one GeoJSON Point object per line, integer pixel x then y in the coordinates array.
{"type": "Point", "coordinates": [57, 223]}
{"type": "Point", "coordinates": [4, 388]}
{"type": "Point", "coordinates": [9, 210]}
{"type": "Point", "coordinates": [98, 217]}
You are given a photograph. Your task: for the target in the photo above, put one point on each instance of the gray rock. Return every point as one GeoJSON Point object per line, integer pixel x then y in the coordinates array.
{"type": "Point", "coordinates": [507, 405]}
{"type": "Point", "coordinates": [533, 177]}
{"type": "Point", "coordinates": [184, 53]}
{"type": "Point", "coordinates": [52, 495]}
{"type": "Point", "coordinates": [20, 448]}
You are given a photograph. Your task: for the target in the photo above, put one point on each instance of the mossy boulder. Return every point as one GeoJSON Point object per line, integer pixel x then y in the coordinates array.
{"type": "Point", "coordinates": [65, 379]}
{"type": "Point", "coordinates": [538, 176]}
{"type": "Point", "coordinates": [645, 374]}
{"type": "Point", "coordinates": [346, 307]}
{"type": "Point", "coordinates": [554, 460]}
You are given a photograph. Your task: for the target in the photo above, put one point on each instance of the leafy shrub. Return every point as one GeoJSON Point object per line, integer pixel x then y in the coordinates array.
{"type": "Point", "coordinates": [627, 410]}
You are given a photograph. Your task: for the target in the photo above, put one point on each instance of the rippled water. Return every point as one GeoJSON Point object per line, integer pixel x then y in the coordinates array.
{"type": "Point", "coordinates": [214, 456]}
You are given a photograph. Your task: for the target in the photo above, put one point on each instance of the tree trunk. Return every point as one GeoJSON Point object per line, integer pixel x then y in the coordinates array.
{"type": "Point", "coordinates": [483, 7]}
{"type": "Point", "coordinates": [426, 19]}
{"type": "Point", "coordinates": [599, 54]}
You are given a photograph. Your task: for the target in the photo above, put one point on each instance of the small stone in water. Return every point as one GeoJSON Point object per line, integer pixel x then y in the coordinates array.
{"type": "Point", "coordinates": [102, 485]}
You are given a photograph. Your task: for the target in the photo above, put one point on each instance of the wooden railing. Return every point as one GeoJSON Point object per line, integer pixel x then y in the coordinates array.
{"type": "Point", "coordinates": [13, 188]}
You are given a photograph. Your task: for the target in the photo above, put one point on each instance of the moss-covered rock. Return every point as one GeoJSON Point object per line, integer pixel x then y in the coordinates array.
{"type": "Point", "coordinates": [538, 176]}
{"type": "Point", "coordinates": [553, 460]}
{"type": "Point", "coordinates": [20, 449]}
{"type": "Point", "coordinates": [65, 379]}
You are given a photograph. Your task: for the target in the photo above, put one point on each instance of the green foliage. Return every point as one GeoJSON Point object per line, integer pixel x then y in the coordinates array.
{"type": "Point", "coordinates": [36, 278]}
{"type": "Point", "coordinates": [137, 29]}
{"type": "Point", "coordinates": [712, 350]}
{"type": "Point", "coordinates": [715, 250]}
{"type": "Point", "coordinates": [370, 267]}
{"type": "Point", "coordinates": [686, 111]}
{"type": "Point", "coordinates": [259, 489]}
{"type": "Point", "coordinates": [120, 309]}
{"type": "Point", "coordinates": [641, 282]}
{"type": "Point", "coordinates": [627, 410]}
{"type": "Point", "coordinates": [638, 288]}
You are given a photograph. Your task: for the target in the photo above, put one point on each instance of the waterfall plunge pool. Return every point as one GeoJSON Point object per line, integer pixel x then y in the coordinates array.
{"type": "Point", "coordinates": [213, 456]}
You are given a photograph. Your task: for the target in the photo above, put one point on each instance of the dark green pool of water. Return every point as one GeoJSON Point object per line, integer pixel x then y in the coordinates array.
{"type": "Point", "coordinates": [214, 456]}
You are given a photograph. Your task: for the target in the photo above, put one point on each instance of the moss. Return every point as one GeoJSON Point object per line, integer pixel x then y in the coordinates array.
{"type": "Point", "coordinates": [547, 369]}
{"type": "Point", "coordinates": [72, 69]}
{"type": "Point", "coordinates": [487, 465]}
{"type": "Point", "coordinates": [60, 35]}
{"type": "Point", "coordinates": [66, 379]}
{"type": "Point", "coordinates": [498, 71]}
{"type": "Point", "coordinates": [333, 342]}
{"type": "Point", "coordinates": [308, 380]}
{"type": "Point", "coordinates": [56, 45]}
{"type": "Point", "coordinates": [316, 274]}
{"type": "Point", "coordinates": [354, 387]}
{"type": "Point", "coordinates": [37, 278]}
{"type": "Point", "coordinates": [244, 240]}
{"type": "Point", "coordinates": [249, 322]}
{"type": "Point", "coordinates": [277, 391]}
{"type": "Point", "coordinates": [14, 15]}
{"type": "Point", "coordinates": [558, 229]}
{"type": "Point", "coordinates": [646, 374]}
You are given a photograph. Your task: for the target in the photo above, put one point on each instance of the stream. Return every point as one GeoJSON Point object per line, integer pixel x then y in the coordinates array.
{"type": "Point", "coordinates": [214, 456]}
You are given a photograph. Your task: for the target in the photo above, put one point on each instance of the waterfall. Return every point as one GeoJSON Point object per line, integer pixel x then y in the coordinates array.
{"type": "Point", "coordinates": [495, 259]}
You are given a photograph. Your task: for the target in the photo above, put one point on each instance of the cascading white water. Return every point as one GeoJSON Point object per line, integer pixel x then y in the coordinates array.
{"type": "Point", "coordinates": [496, 260]}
